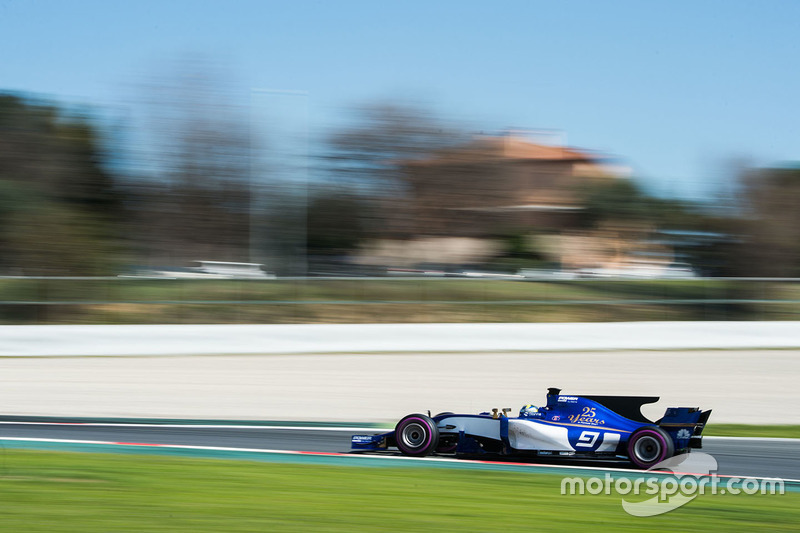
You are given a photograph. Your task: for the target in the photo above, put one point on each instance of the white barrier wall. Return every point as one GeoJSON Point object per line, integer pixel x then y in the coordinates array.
{"type": "Point", "coordinates": [23, 341]}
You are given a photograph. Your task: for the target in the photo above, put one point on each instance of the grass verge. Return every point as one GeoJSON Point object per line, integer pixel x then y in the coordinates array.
{"type": "Point", "coordinates": [744, 430]}
{"type": "Point", "coordinates": [389, 300]}
{"type": "Point", "coordinates": [56, 491]}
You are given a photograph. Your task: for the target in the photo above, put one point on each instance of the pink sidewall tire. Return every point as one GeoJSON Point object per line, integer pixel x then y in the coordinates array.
{"type": "Point", "coordinates": [416, 435]}
{"type": "Point", "coordinates": [648, 446]}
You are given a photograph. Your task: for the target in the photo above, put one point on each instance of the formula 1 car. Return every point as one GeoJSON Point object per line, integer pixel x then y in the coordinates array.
{"type": "Point", "coordinates": [609, 427]}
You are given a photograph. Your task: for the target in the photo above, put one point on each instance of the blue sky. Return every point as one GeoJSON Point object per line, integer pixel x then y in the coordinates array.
{"type": "Point", "coordinates": [677, 89]}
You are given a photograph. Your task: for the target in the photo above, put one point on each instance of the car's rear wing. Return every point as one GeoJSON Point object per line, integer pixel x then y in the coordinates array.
{"type": "Point", "coordinates": [696, 440]}
{"type": "Point", "coordinates": [685, 425]}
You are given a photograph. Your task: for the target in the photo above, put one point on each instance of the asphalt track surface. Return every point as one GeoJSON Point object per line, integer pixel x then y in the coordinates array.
{"type": "Point", "coordinates": [744, 457]}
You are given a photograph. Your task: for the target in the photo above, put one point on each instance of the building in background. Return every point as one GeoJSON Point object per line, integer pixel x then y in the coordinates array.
{"type": "Point", "coordinates": [464, 200]}
{"type": "Point", "coordinates": [496, 184]}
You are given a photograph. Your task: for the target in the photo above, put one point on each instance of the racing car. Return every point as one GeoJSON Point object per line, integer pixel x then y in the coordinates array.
{"type": "Point", "coordinates": [587, 427]}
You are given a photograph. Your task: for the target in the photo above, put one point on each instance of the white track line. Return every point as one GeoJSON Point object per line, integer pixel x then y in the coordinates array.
{"type": "Point", "coordinates": [760, 439]}
{"type": "Point", "coordinates": [368, 457]}
{"type": "Point", "coordinates": [309, 428]}
{"type": "Point", "coordinates": [199, 426]}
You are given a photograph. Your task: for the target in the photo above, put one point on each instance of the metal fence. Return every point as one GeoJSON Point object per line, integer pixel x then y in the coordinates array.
{"type": "Point", "coordinates": [114, 300]}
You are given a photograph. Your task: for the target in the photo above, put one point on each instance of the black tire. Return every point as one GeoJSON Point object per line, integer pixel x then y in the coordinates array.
{"type": "Point", "coordinates": [416, 435]}
{"type": "Point", "coordinates": [648, 446]}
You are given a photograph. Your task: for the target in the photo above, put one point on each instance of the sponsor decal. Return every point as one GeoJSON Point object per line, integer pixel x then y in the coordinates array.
{"type": "Point", "coordinates": [684, 434]}
{"type": "Point", "coordinates": [587, 439]}
{"type": "Point", "coordinates": [555, 418]}
{"type": "Point", "coordinates": [568, 399]}
{"type": "Point", "coordinates": [587, 417]}
{"type": "Point", "coordinates": [577, 419]}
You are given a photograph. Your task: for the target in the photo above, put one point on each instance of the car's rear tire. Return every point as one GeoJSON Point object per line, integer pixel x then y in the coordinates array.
{"type": "Point", "coordinates": [416, 435]}
{"type": "Point", "coordinates": [648, 446]}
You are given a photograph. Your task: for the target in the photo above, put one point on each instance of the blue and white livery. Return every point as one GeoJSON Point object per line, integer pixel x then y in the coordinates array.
{"type": "Point", "coordinates": [574, 426]}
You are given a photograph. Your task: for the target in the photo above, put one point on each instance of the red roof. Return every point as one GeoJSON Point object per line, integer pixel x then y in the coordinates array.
{"type": "Point", "coordinates": [508, 147]}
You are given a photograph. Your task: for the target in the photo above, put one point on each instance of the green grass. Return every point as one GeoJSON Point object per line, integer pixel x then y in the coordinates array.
{"type": "Point", "coordinates": [744, 430]}
{"type": "Point", "coordinates": [56, 491]}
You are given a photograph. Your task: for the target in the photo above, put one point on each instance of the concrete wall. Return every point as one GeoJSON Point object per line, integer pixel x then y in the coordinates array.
{"type": "Point", "coordinates": [355, 338]}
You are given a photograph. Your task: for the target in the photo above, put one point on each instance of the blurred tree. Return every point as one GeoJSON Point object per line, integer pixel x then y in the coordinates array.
{"type": "Point", "coordinates": [198, 205]}
{"type": "Point", "coordinates": [59, 208]}
{"type": "Point", "coordinates": [370, 156]}
{"type": "Point", "coordinates": [335, 228]}
{"type": "Point", "coordinates": [623, 201]}
{"type": "Point", "coordinates": [769, 229]}
{"type": "Point", "coordinates": [694, 232]}
{"type": "Point", "coordinates": [334, 222]}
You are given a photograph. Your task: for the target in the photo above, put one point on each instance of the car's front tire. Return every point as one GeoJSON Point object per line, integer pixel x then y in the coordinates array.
{"type": "Point", "coordinates": [416, 435]}
{"type": "Point", "coordinates": [648, 446]}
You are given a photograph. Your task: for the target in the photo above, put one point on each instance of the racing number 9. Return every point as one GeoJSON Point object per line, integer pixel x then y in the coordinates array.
{"type": "Point", "coordinates": [587, 439]}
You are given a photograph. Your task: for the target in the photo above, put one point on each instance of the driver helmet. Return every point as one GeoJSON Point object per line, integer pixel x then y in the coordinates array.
{"type": "Point", "coordinates": [528, 411]}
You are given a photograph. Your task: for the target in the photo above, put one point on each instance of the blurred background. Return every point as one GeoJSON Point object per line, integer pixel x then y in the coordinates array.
{"type": "Point", "coordinates": [353, 162]}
